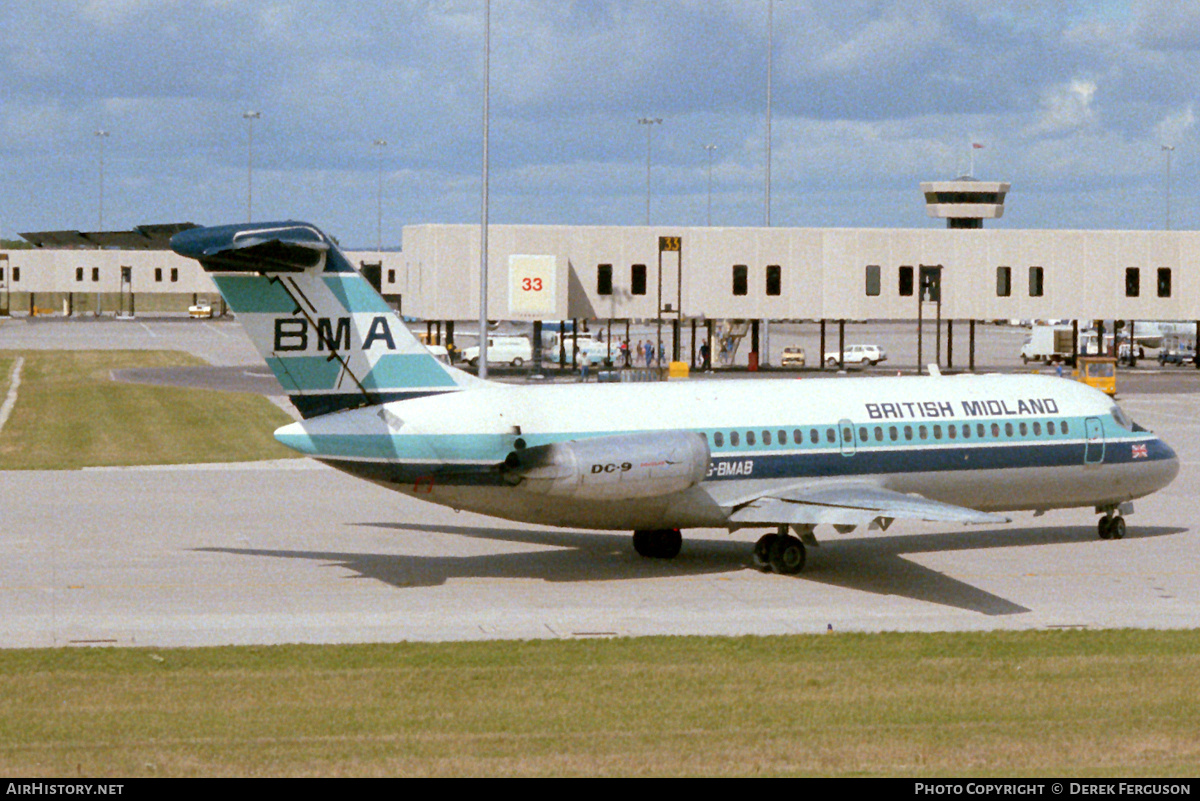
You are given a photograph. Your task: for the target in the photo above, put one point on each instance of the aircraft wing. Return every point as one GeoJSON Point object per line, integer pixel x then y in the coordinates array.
{"type": "Point", "coordinates": [852, 505]}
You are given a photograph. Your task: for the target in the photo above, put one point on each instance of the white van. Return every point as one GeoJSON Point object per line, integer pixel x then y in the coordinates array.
{"type": "Point", "coordinates": [513, 350]}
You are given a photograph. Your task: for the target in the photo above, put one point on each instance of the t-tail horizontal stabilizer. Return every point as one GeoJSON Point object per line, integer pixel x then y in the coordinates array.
{"type": "Point", "coordinates": [330, 339]}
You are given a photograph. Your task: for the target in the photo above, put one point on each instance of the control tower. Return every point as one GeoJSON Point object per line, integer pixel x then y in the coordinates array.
{"type": "Point", "coordinates": [965, 202]}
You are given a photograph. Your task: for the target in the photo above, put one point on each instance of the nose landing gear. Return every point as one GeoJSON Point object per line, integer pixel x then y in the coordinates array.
{"type": "Point", "coordinates": [1111, 527]}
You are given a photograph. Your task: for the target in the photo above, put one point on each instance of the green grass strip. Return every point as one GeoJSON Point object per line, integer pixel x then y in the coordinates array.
{"type": "Point", "coordinates": [1068, 703]}
{"type": "Point", "coordinates": [70, 414]}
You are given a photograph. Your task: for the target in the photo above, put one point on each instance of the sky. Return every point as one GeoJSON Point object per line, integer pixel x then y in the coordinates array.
{"type": "Point", "coordinates": [1072, 103]}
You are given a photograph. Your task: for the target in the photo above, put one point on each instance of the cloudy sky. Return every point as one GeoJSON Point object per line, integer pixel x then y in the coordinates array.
{"type": "Point", "coordinates": [1072, 102]}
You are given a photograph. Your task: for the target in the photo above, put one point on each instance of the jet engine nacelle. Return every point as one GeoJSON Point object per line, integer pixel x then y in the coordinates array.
{"type": "Point", "coordinates": [612, 468]}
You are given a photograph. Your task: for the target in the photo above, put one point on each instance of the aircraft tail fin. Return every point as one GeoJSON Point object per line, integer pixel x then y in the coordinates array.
{"type": "Point", "coordinates": [329, 337]}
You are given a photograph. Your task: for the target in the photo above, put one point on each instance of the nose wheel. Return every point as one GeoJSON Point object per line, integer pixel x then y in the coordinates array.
{"type": "Point", "coordinates": [1111, 528]}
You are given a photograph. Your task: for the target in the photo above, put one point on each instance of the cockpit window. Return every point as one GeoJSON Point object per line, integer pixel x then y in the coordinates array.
{"type": "Point", "coordinates": [1122, 419]}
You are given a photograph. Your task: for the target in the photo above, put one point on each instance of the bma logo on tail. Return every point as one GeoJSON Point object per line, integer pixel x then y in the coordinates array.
{"type": "Point", "coordinates": [291, 334]}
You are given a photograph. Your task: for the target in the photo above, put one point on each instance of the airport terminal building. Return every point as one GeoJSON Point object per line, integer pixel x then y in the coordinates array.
{"type": "Point", "coordinates": [683, 275]}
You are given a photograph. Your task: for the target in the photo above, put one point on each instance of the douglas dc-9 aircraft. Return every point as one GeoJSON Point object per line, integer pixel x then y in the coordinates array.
{"type": "Point", "coordinates": [656, 458]}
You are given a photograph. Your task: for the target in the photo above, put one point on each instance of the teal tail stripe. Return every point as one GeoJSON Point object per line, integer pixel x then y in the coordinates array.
{"type": "Point", "coordinates": [304, 373]}
{"type": "Point", "coordinates": [254, 294]}
{"type": "Point", "coordinates": [355, 294]}
{"type": "Point", "coordinates": [407, 371]}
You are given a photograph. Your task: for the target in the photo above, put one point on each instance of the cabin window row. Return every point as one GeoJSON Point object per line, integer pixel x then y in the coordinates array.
{"type": "Point", "coordinates": [867, 434]}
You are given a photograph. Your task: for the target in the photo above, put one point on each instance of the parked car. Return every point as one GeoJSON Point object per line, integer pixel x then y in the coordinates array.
{"type": "Point", "coordinates": [200, 311]}
{"type": "Point", "coordinates": [792, 357]}
{"type": "Point", "coordinates": [1178, 355]}
{"type": "Point", "coordinates": [860, 355]}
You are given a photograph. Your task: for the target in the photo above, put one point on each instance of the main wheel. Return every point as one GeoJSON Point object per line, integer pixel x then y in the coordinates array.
{"type": "Point", "coordinates": [642, 543]}
{"type": "Point", "coordinates": [787, 555]}
{"type": "Point", "coordinates": [1104, 528]}
{"type": "Point", "coordinates": [670, 540]}
{"type": "Point", "coordinates": [1116, 528]}
{"type": "Point", "coordinates": [762, 551]}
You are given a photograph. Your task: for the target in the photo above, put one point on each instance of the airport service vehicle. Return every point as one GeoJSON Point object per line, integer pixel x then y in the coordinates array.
{"type": "Point", "coordinates": [1178, 354]}
{"type": "Point", "coordinates": [1048, 343]}
{"type": "Point", "coordinates": [513, 350]}
{"type": "Point", "coordinates": [659, 457]}
{"type": "Point", "coordinates": [860, 355]}
{"type": "Point", "coordinates": [792, 357]}
{"type": "Point", "coordinates": [200, 311]}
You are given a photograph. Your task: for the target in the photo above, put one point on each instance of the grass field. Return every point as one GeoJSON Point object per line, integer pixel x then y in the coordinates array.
{"type": "Point", "coordinates": [1071, 703]}
{"type": "Point", "coordinates": [70, 414]}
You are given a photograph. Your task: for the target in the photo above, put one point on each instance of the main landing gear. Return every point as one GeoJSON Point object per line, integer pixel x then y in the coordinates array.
{"type": "Point", "coordinates": [780, 552]}
{"type": "Point", "coordinates": [658, 543]}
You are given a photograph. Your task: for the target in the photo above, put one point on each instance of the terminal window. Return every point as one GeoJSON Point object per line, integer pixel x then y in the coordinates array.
{"type": "Point", "coordinates": [872, 280]}
{"type": "Point", "coordinates": [740, 276]}
{"type": "Point", "coordinates": [637, 280]}
{"type": "Point", "coordinates": [78, 273]}
{"type": "Point", "coordinates": [1036, 285]}
{"type": "Point", "coordinates": [604, 279]}
{"type": "Point", "coordinates": [95, 273]}
{"type": "Point", "coordinates": [1003, 282]}
{"type": "Point", "coordinates": [1164, 282]}
{"type": "Point", "coordinates": [16, 273]}
{"type": "Point", "coordinates": [158, 274]}
{"type": "Point", "coordinates": [391, 276]}
{"type": "Point", "coordinates": [774, 279]}
{"type": "Point", "coordinates": [174, 274]}
{"type": "Point", "coordinates": [906, 281]}
{"type": "Point", "coordinates": [1133, 282]}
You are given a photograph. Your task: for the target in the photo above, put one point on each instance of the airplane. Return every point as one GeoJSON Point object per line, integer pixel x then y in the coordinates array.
{"type": "Point", "coordinates": [660, 457]}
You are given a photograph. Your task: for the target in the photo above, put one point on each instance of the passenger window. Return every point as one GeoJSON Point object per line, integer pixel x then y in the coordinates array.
{"type": "Point", "coordinates": [782, 437]}
{"type": "Point", "coordinates": [813, 436]}
{"type": "Point", "coordinates": [922, 432]}
{"type": "Point", "coordinates": [892, 433]}
{"type": "Point", "coordinates": [862, 435]}
{"type": "Point", "coordinates": [797, 436]}
{"type": "Point", "coordinates": [830, 436]}
{"type": "Point", "coordinates": [749, 437]}
{"type": "Point", "coordinates": [1064, 426]}
{"type": "Point", "coordinates": [734, 438]}
{"type": "Point", "coordinates": [979, 430]}
{"type": "Point", "coordinates": [1050, 428]}
{"type": "Point", "coordinates": [879, 433]}
{"type": "Point", "coordinates": [908, 432]}
{"type": "Point", "coordinates": [1008, 429]}
{"type": "Point", "coordinates": [718, 439]}
{"type": "Point", "coordinates": [1024, 429]}
{"type": "Point", "coordinates": [995, 429]}
{"type": "Point", "coordinates": [951, 431]}
{"type": "Point", "coordinates": [967, 431]}
{"type": "Point", "coordinates": [766, 438]}
{"type": "Point", "coordinates": [1037, 429]}
{"type": "Point", "coordinates": [937, 432]}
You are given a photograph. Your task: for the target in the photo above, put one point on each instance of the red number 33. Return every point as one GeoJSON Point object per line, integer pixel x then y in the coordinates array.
{"type": "Point", "coordinates": [531, 284]}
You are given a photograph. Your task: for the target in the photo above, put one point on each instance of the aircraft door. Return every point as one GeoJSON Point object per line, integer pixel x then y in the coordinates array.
{"type": "Point", "coordinates": [846, 437]}
{"type": "Point", "coordinates": [1094, 449]}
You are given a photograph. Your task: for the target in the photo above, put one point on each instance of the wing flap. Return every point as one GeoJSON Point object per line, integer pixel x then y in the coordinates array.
{"type": "Point", "coordinates": [853, 505]}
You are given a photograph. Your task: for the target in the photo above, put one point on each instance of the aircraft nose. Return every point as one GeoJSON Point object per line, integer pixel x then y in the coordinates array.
{"type": "Point", "coordinates": [1167, 464]}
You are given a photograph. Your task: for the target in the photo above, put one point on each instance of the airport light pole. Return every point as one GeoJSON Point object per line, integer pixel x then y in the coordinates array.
{"type": "Point", "coordinates": [101, 135]}
{"type": "Point", "coordinates": [770, 64]}
{"type": "Point", "coordinates": [379, 144]}
{"type": "Point", "coordinates": [709, 149]}
{"type": "Point", "coordinates": [649, 122]}
{"type": "Point", "coordinates": [250, 117]}
{"type": "Point", "coordinates": [483, 222]}
{"type": "Point", "coordinates": [1168, 150]}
